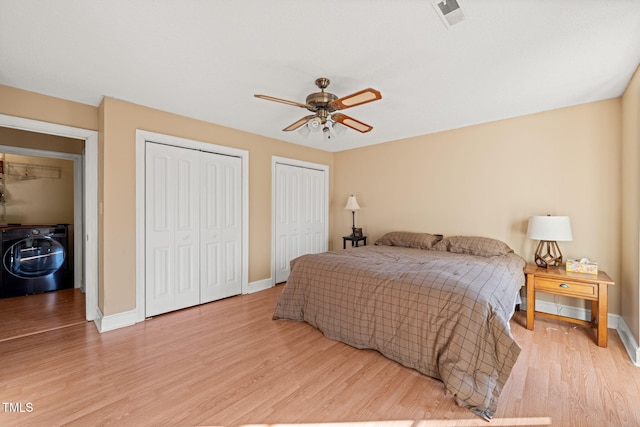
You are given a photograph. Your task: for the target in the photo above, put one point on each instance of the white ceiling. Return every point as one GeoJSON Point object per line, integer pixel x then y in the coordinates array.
{"type": "Point", "coordinates": [206, 59]}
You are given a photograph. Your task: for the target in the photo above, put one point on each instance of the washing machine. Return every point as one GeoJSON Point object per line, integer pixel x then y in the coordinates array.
{"type": "Point", "coordinates": [34, 259]}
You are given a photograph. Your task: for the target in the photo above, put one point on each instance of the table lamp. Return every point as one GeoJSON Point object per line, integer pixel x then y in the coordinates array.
{"type": "Point", "coordinates": [352, 205]}
{"type": "Point", "coordinates": [549, 230]}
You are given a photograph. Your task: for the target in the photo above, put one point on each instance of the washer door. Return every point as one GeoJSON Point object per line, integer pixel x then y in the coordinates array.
{"type": "Point", "coordinates": [34, 257]}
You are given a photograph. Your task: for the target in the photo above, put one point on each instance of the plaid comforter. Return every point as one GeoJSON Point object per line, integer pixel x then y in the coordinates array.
{"type": "Point", "coordinates": [445, 315]}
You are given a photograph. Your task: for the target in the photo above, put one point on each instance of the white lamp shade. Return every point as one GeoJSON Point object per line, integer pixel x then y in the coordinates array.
{"type": "Point", "coordinates": [314, 124]}
{"type": "Point", "coordinates": [304, 131]}
{"type": "Point", "coordinates": [339, 128]}
{"type": "Point", "coordinates": [550, 228]}
{"type": "Point", "coordinates": [352, 204]}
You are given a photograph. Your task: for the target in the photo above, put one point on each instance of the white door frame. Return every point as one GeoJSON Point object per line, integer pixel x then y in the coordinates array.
{"type": "Point", "coordinates": [300, 163]}
{"type": "Point", "coordinates": [85, 196]}
{"type": "Point", "coordinates": [142, 137]}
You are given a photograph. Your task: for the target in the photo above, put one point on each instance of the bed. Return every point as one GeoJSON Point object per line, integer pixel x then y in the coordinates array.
{"type": "Point", "coordinates": [439, 306]}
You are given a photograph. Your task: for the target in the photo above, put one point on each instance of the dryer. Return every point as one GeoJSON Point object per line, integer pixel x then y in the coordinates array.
{"type": "Point", "coordinates": [34, 260]}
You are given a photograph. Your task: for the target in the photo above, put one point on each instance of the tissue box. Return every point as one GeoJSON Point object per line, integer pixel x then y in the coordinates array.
{"type": "Point", "coordinates": [581, 267]}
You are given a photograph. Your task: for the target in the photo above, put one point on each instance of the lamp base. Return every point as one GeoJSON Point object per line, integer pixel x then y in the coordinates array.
{"type": "Point", "coordinates": [548, 254]}
{"type": "Point", "coordinates": [353, 224]}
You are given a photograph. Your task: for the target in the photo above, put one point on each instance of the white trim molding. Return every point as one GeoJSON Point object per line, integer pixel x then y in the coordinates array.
{"type": "Point", "coordinates": [89, 238]}
{"type": "Point", "coordinates": [114, 321]}
{"type": "Point", "coordinates": [259, 285]}
{"type": "Point", "coordinates": [130, 318]}
{"type": "Point", "coordinates": [629, 342]}
{"type": "Point", "coordinates": [579, 313]}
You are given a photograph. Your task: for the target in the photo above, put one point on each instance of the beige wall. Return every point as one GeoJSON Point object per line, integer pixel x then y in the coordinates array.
{"type": "Point", "coordinates": [630, 282]}
{"type": "Point", "coordinates": [119, 121]}
{"type": "Point", "coordinates": [39, 201]}
{"type": "Point", "coordinates": [487, 180]}
{"type": "Point", "coordinates": [31, 105]}
{"type": "Point", "coordinates": [42, 200]}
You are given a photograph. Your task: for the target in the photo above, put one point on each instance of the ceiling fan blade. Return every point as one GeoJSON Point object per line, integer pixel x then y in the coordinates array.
{"type": "Point", "coordinates": [358, 98]}
{"type": "Point", "coordinates": [350, 122]}
{"type": "Point", "coordinates": [296, 125]}
{"type": "Point", "coordinates": [284, 101]}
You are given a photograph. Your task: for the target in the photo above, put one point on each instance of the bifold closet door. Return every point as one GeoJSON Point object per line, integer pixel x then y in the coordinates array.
{"type": "Point", "coordinates": [193, 227]}
{"type": "Point", "coordinates": [172, 228]}
{"type": "Point", "coordinates": [221, 227]}
{"type": "Point", "coordinates": [301, 215]}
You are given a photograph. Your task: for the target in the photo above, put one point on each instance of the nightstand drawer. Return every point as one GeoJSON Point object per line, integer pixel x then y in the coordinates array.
{"type": "Point", "coordinates": [567, 288]}
{"type": "Point", "coordinates": [556, 281]}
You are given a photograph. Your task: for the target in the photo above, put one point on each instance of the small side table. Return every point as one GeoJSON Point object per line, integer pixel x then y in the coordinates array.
{"type": "Point", "coordinates": [354, 241]}
{"type": "Point", "coordinates": [558, 281]}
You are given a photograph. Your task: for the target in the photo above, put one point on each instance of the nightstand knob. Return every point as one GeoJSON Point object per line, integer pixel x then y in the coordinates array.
{"type": "Point", "coordinates": [564, 285]}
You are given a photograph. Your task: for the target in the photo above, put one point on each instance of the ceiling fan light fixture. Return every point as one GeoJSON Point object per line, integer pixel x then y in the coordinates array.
{"type": "Point", "coordinates": [338, 129]}
{"type": "Point", "coordinates": [314, 124]}
{"type": "Point", "coordinates": [295, 125]}
{"type": "Point", "coordinates": [326, 132]}
{"type": "Point", "coordinates": [304, 131]}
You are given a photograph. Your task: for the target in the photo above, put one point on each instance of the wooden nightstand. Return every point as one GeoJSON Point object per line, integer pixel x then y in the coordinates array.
{"type": "Point", "coordinates": [354, 241]}
{"type": "Point", "coordinates": [558, 281]}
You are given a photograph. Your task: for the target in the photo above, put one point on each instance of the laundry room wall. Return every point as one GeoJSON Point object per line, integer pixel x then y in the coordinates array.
{"type": "Point", "coordinates": [38, 190]}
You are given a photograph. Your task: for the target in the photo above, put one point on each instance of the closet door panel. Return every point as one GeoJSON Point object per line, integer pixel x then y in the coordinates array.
{"type": "Point", "coordinates": [172, 228]}
{"type": "Point", "coordinates": [300, 225]}
{"type": "Point", "coordinates": [313, 212]}
{"type": "Point", "coordinates": [187, 236]}
{"type": "Point", "coordinates": [221, 233]}
{"type": "Point", "coordinates": [232, 235]}
{"type": "Point", "coordinates": [288, 227]}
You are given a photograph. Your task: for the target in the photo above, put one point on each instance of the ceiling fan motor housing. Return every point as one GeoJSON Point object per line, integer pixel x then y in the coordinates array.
{"type": "Point", "coordinates": [320, 101]}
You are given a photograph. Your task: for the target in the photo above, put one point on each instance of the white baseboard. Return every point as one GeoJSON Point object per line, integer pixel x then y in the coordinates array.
{"type": "Point", "coordinates": [629, 342]}
{"type": "Point", "coordinates": [614, 321]}
{"type": "Point", "coordinates": [569, 311]}
{"type": "Point", "coordinates": [259, 285]}
{"type": "Point", "coordinates": [129, 318]}
{"type": "Point", "coordinates": [115, 321]}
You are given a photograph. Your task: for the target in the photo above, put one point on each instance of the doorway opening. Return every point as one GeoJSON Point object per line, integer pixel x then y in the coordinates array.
{"type": "Point", "coordinates": [85, 212]}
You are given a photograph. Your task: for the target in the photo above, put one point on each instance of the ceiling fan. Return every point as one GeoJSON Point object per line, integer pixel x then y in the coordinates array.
{"type": "Point", "coordinates": [324, 104]}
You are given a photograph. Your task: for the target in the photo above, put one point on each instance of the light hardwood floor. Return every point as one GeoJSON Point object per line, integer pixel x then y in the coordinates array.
{"type": "Point", "coordinates": [227, 363]}
{"type": "Point", "coordinates": [33, 314]}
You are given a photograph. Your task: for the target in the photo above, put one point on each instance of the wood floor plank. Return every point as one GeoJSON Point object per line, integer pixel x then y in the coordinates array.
{"type": "Point", "coordinates": [228, 363]}
{"type": "Point", "coordinates": [32, 314]}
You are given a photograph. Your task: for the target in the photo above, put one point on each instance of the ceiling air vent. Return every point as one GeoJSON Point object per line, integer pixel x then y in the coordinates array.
{"type": "Point", "coordinates": [450, 11]}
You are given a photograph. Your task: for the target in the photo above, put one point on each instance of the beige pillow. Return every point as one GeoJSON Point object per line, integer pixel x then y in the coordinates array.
{"type": "Point", "coordinates": [408, 239]}
{"type": "Point", "coordinates": [480, 246]}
